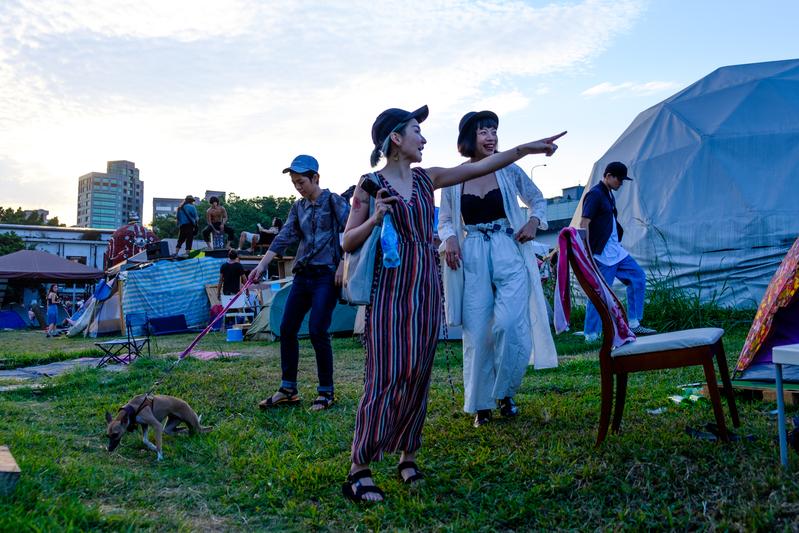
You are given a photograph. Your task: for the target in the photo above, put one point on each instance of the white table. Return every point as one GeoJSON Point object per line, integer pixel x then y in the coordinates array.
{"type": "Point", "coordinates": [783, 355]}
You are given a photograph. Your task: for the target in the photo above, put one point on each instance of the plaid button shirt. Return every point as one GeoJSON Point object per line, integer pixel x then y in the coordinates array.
{"type": "Point", "coordinates": [316, 227]}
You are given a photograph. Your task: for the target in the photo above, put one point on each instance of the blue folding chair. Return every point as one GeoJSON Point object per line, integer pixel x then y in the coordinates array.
{"type": "Point", "coordinates": [124, 351]}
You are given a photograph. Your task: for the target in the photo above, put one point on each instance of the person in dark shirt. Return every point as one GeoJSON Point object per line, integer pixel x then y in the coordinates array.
{"type": "Point", "coordinates": [599, 219]}
{"type": "Point", "coordinates": [231, 275]}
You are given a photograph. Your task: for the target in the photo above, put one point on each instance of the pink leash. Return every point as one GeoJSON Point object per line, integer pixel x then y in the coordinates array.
{"type": "Point", "coordinates": [202, 334]}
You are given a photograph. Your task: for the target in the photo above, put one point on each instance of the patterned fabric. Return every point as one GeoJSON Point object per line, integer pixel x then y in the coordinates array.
{"type": "Point", "coordinates": [570, 244]}
{"type": "Point", "coordinates": [168, 288]}
{"type": "Point", "coordinates": [315, 226]}
{"type": "Point", "coordinates": [779, 294]}
{"type": "Point", "coordinates": [402, 327]}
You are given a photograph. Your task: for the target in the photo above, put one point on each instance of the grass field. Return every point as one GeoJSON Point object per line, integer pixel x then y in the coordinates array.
{"type": "Point", "coordinates": [282, 470]}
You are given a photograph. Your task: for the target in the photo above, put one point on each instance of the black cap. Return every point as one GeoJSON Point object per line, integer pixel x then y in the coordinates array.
{"type": "Point", "coordinates": [471, 117]}
{"type": "Point", "coordinates": [189, 199]}
{"type": "Point", "coordinates": [617, 169]}
{"type": "Point", "coordinates": [389, 119]}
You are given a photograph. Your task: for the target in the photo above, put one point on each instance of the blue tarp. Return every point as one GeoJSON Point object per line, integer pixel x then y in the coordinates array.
{"type": "Point", "coordinates": [170, 288]}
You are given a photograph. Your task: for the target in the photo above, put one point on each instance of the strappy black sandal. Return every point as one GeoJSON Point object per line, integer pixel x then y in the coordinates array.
{"type": "Point", "coordinates": [412, 479]}
{"type": "Point", "coordinates": [360, 491]}
{"type": "Point", "coordinates": [508, 408]}
{"type": "Point", "coordinates": [325, 399]}
{"type": "Point", "coordinates": [290, 397]}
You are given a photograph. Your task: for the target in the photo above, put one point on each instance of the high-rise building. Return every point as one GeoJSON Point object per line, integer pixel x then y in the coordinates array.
{"type": "Point", "coordinates": [218, 194]}
{"type": "Point", "coordinates": [165, 206]}
{"type": "Point", "coordinates": [108, 199]}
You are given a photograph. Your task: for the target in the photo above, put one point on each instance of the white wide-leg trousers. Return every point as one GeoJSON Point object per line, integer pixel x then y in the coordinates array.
{"type": "Point", "coordinates": [496, 321]}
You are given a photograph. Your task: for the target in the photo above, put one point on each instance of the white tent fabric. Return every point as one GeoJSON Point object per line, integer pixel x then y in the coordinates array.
{"type": "Point", "coordinates": [713, 204]}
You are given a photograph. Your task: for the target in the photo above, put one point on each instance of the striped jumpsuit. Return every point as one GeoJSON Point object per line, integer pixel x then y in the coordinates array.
{"type": "Point", "coordinates": [402, 327]}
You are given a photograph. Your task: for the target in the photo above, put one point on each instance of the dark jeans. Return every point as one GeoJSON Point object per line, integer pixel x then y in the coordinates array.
{"type": "Point", "coordinates": [186, 234]}
{"type": "Point", "coordinates": [313, 289]}
{"type": "Point", "coordinates": [229, 231]}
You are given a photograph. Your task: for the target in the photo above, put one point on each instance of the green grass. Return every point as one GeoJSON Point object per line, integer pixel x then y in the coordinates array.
{"type": "Point", "coordinates": [282, 470]}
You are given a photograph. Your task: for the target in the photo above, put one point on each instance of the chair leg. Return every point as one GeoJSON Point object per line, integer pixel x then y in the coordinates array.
{"type": "Point", "coordinates": [715, 398]}
{"type": "Point", "coordinates": [607, 403]}
{"type": "Point", "coordinates": [724, 371]}
{"type": "Point", "coordinates": [618, 408]}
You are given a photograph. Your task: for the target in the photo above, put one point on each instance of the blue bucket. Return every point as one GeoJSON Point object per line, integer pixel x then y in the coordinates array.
{"type": "Point", "coordinates": [235, 335]}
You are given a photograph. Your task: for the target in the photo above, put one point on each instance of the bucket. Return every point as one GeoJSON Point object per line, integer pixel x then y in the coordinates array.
{"type": "Point", "coordinates": [235, 335]}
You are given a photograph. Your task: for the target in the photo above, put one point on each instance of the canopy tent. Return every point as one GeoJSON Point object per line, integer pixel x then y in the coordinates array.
{"type": "Point", "coordinates": [713, 166]}
{"type": "Point", "coordinates": [102, 313]}
{"type": "Point", "coordinates": [776, 323]}
{"type": "Point", "coordinates": [42, 266]}
{"type": "Point", "coordinates": [266, 326]}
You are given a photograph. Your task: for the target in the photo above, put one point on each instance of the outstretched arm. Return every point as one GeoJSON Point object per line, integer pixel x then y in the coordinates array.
{"type": "Point", "coordinates": [444, 177]}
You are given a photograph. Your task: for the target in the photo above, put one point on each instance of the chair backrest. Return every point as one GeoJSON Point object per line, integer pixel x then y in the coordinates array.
{"type": "Point", "coordinates": [238, 305]}
{"type": "Point", "coordinates": [615, 330]}
{"type": "Point", "coordinates": [136, 324]}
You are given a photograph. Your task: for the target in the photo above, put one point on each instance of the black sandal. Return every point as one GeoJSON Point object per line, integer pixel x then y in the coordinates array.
{"type": "Point", "coordinates": [290, 397]}
{"type": "Point", "coordinates": [360, 491]}
{"type": "Point", "coordinates": [325, 399]}
{"type": "Point", "coordinates": [413, 478]}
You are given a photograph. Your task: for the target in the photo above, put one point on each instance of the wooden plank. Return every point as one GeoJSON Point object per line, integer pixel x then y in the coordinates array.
{"type": "Point", "coordinates": [9, 471]}
{"type": "Point", "coordinates": [765, 392]}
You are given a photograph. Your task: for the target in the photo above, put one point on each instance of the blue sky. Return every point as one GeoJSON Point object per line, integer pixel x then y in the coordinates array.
{"type": "Point", "coordinates": [222, 94]}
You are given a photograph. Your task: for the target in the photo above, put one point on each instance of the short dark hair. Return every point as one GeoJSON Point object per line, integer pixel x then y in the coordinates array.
{"type": "Point", "coordinates": [213, 199]}
{"type": "Point", "coordinates": [232, 254]}
{"type": "Point", "coordinates": [468, 145]}
{"type": "Point", "coordinates": [276, 222]}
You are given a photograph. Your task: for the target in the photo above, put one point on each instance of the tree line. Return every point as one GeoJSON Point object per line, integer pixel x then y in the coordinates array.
{"type": "Point", "coordinates": [243, 214]}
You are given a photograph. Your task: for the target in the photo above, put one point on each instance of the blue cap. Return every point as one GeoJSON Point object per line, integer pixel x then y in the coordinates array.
{"type": "Point", "coordinates": [302, 164]}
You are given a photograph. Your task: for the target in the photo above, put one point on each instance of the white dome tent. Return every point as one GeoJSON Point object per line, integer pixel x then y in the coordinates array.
{"type": "Point", "coordinates": [714, 203]}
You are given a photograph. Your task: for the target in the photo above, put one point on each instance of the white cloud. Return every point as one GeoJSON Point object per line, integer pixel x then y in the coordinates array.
{"type": "Point", "coordinates": [628, 87]}
{"type": "Point", "coordinates": [222, 94]}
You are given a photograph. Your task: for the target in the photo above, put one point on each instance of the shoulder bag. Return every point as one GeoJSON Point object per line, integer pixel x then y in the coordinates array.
{"type": "Point", "coordinates": [359, 266]}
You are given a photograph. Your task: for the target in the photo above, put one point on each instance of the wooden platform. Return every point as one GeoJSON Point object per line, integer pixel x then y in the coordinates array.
{"type": "Point", "coordinates": [766, 392]}
{"type": "Point", "coordinates": [9, 472]}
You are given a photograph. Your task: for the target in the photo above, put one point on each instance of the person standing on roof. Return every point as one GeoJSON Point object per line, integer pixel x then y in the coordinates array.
{"type": "Point", "coordinates": [187, 224]}
{"type": "Point", "coordinates": [600, 220]}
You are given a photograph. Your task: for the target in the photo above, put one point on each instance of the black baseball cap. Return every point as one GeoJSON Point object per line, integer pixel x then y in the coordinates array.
{"type": "Point", "coordinates": [390, 118]}
{"type": "Point", "coordinates": [473, 116]}
{"type": "Point", "coordinates": [617, 169]}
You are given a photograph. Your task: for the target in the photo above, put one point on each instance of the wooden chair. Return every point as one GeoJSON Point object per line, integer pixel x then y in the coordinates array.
{"type": "Point", "coordinates": [676, 349]}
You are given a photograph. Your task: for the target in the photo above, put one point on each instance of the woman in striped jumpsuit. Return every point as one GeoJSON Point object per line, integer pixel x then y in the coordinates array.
{"type": "Point", "coordinates": [405, 310]}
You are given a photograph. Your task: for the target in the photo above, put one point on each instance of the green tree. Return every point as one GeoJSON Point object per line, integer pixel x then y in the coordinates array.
{"type": "Point", "coordinates": [165, 227]}
{"type": "Point", "coordinates": [9, 215]}
{"type": "Point", "coordinates": [10, 243]}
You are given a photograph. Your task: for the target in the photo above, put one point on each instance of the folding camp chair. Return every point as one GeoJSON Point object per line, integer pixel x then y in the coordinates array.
{"type": "Point", "coordinates": [654, 352]}
{"type": "Point", "coordinates": [124, 351]}
{"type": "Point", "coordinates": [240, 309]}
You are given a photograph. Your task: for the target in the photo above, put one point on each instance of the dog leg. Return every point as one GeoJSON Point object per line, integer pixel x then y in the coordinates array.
{"type": "Point", "coordinates": [171, 426]}
{"type": "Point", "coordinates": [159, 433]}
{"type": "Point", "coordinates": [144, 430]}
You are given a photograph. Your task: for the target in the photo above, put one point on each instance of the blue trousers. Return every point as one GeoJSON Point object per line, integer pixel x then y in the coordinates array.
{"type": "Point", "coordinates": [312, 290]}
{"type": "Point", "coordinates": [632, 275]}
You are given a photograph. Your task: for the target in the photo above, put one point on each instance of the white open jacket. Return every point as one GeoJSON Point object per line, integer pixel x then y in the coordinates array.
{"type": "Point", "coordinates": [513, 184]}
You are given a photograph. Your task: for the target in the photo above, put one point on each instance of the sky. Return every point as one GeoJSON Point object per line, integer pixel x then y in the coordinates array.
{"type": "Point", "coordinates": [222, 94]}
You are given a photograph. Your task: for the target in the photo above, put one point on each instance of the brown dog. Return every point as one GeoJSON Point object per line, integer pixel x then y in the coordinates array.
{"type": "Point", "coordinates": [151, 411]}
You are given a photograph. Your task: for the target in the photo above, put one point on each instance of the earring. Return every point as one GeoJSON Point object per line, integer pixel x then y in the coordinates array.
{"type": "Point", "coordinates": [395, 156]}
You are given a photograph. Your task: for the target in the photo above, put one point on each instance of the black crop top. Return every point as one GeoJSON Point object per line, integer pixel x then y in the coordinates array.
{"type": "Point", "coordinates": [476, 210]}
